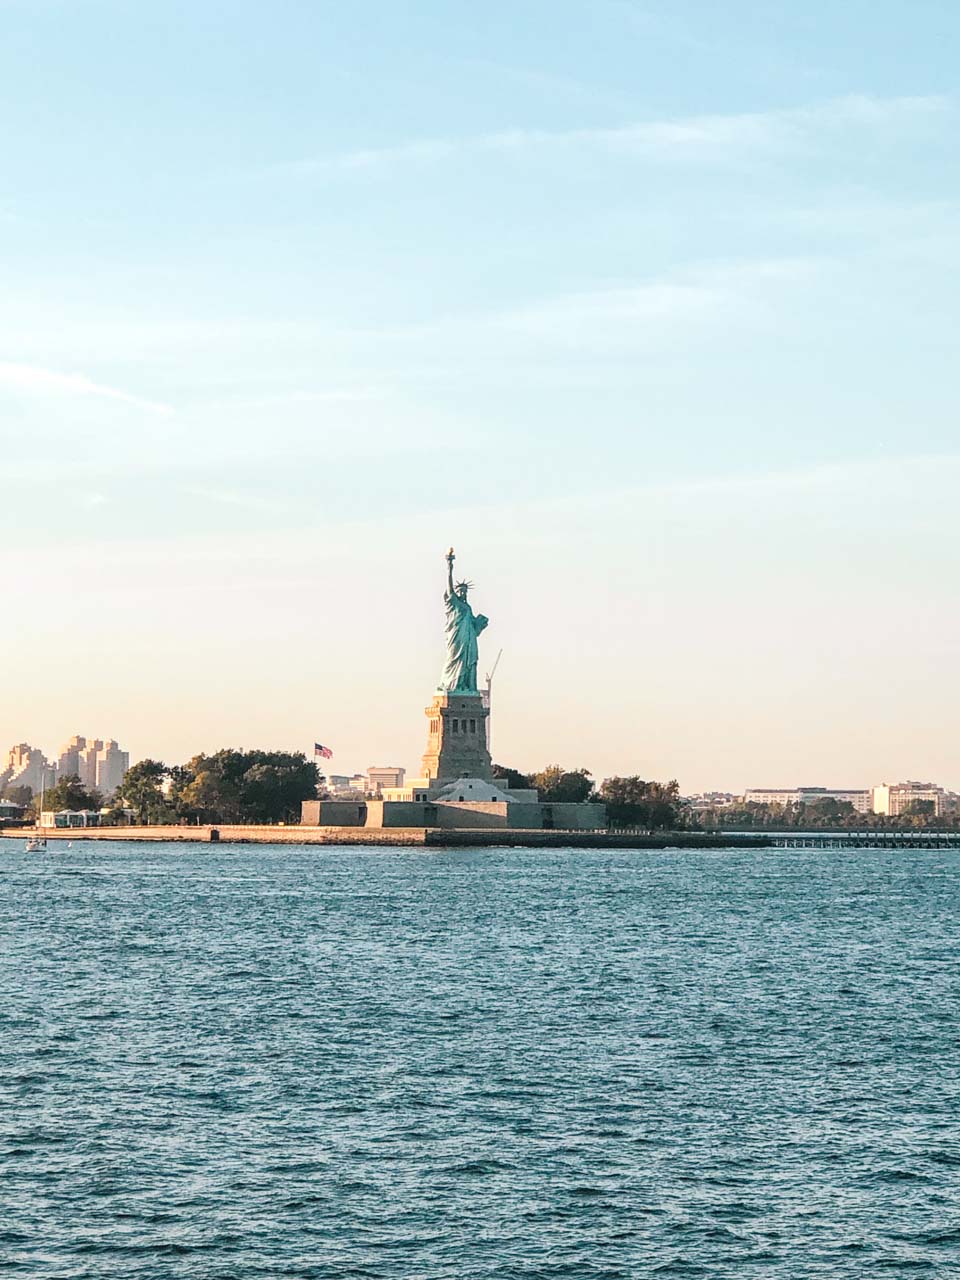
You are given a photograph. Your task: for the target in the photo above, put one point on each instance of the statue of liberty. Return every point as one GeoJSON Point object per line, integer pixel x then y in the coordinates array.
{"type": "Point", "coordinates": [463, 627]}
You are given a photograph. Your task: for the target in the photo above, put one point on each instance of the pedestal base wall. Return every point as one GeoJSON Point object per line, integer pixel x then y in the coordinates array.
{"type": "Point", "coordinates": [457, 739]}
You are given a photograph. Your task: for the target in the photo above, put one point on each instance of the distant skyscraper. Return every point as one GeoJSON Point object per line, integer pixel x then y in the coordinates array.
{"type": "Point", "coordinates": [87, 759]}
{"type": "Point", "coordinates": [26, 766]}
{"type": "Point", "coordinates": [112, 764]}
{"type": "Point", "coordinates": [96, 763]}
{"type": "Point", "coordinates": [68, 763]}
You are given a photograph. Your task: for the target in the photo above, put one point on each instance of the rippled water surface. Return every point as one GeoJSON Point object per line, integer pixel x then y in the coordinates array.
{"type": "Point", "coordinates": [243, 1062]}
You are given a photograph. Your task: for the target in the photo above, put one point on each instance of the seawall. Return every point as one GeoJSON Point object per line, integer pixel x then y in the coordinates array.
{"type": "Point", "coordinates": [227, 834]}
{"type": "Point", "coordinates": [397, 836]}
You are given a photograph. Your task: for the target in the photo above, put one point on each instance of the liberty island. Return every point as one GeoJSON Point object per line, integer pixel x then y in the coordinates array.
{"type": "Point", "coordinates": [457, 788]}
{"type": "Point", "coordinates": [460, 796]}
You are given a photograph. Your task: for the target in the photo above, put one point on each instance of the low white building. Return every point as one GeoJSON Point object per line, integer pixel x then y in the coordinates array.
{"type": "Point", "coordinates": [472, 790]}
{"type": "Point", "coordinates": [416, 789]}
{"type": "Point", "coordinates": [382, 776]}
{"type": "Point", "coordinates": [704, 800]}
{"type": "Point", "coordinates": [784, 796]}
{"type": "Point", "coordinates": [895, 798]}
{"type": "Point", "coordinates": [343, 786]}
{"type": "Point", "coordinates": [70, 818]}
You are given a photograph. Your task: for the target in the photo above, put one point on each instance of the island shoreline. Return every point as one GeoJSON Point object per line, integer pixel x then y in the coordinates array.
{"type": "Point", "coordinates": [395, 837]}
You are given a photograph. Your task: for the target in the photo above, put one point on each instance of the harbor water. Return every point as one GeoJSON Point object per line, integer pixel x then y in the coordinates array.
{"type": "Point", "coordinates": [220, 1063]}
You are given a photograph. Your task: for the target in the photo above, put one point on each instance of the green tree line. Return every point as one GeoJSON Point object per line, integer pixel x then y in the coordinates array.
{"type": "Point", "coordinates": [631, 801]}
{"type": "Point", "coordinates": [270, 786]}
{"type": "Point", "coordinates": [228, 786]}
{"type": "Point", "coordinates": [817, 814]}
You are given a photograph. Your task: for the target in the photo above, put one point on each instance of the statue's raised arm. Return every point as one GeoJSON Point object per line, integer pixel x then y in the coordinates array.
{"type": "Point", "coordinates": [462, 629]}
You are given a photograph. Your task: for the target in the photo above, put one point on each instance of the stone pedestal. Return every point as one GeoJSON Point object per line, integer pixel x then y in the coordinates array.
{"type": "Point", "coordinates": [457, 741]}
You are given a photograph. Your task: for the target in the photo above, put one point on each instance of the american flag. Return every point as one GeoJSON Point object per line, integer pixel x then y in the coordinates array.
{"type": "Point", "coordinates": [318, 750]}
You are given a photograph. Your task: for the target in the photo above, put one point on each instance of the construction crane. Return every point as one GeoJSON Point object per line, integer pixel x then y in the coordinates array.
{"type": "Point", "coordinates": [487, 694]}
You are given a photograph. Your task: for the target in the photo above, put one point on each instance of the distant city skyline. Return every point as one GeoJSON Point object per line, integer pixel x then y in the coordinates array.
{"type": "Point", "coordinates": [80, 755]}
{"type": "Point", "coordinates": [648, 310]}
{"type": "Point", "coordinates": [99, 763]}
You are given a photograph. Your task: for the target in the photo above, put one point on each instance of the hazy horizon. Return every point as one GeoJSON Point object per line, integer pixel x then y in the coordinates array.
{"type": "Point", "coordinates": [647, 310]}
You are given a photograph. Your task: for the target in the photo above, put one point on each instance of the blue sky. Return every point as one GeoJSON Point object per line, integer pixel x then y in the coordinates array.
{"type": "Point", "coordinates": [649, 308]}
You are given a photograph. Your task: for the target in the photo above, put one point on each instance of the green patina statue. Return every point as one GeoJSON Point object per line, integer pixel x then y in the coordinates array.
{"type": "Point", "coordinates": [463, 627]}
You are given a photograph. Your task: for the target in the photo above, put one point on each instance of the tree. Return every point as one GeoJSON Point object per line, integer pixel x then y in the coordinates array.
{"type": "Point", "coordinates": [142, 790]}
{"type": "Point", "coordinates": [633, 802]}
{"type": "Point", "coordinates": [827, 812]}
{"type": "Point", "coordinates": [512, 778]}
{"type": "Point", "coordinates": [22, 796]}
{"type": "Point", "coordinates": [70, 793]}
{"type": "Point", "coordinates": [563, 786]}
{"type": "Point", "coordinates": [920, 812]}
{"type": "Point", "coordinates": [245, 786]}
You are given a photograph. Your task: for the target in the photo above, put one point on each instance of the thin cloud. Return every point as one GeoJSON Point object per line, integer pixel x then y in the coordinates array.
{"type": "Point", "coordinates": [234, 498]}
{"type": "Point", "coordinates": [616, 315]}
{"type": "Point", "coordinates": [695, 135]}
{"type": "Point", "coordinates": [841, 477]}
{"type": "Point", "coordinates": [581, 317]}
{"type": "Point", "coordinates": [31, 378]}
{"type": "Point", "coordinates": [307, 397]}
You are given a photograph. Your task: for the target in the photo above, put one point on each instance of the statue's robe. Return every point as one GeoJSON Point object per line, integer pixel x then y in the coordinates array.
{"type": "Point", "coordinates": [463, 627]}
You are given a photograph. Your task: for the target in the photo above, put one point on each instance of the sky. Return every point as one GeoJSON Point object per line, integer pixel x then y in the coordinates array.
{"type": "Point", "coordinates": [649, 309]}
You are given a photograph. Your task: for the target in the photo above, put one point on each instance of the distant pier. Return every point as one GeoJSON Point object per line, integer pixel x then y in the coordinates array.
{"type": "Point", "coordinates": [876, 839]}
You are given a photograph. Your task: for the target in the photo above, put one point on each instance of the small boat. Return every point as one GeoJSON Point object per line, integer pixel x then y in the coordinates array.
{"type": "Point", "coordinates": [36, 844]}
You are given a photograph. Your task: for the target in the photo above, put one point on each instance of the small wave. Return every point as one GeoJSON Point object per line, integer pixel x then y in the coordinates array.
{"type": "Point", "coordinates": [305, 1202]}
{"type": "Point", "coordinates": [737, 1212]}
{"type": "Point", "coordinates": [8, 1236]}
{"type": "Point", "coordinates": [38, 1138]}
{"type": "Point", "coordinates": [948, 1235]}
{"type": "Point", "coordinates": [481, 1167]}
{"type": "Point", "coordinates": [949, 1158]}
{"type": "Point", "coordinates": [679, 1267]}
{"type": "Point", "coordinates": [897, 1175]}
